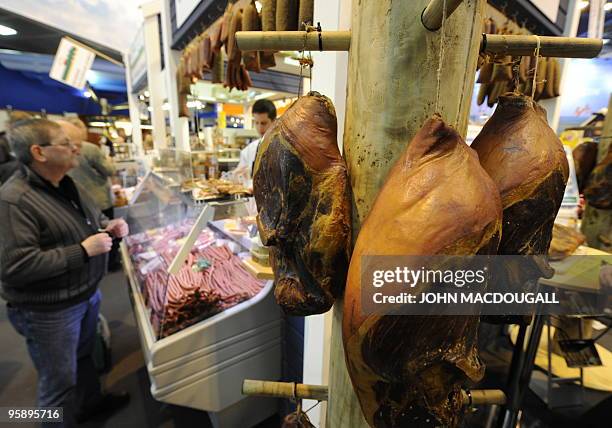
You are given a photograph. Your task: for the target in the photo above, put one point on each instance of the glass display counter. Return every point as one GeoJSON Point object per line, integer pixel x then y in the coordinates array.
{"type": "Point", "coordinates": [205, 322]}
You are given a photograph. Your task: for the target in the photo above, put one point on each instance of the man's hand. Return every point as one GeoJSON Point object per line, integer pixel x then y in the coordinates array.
{"type": "Point", "coordinates": [97, 244]}
{"type": "Point", "coordinates": [118, 228]}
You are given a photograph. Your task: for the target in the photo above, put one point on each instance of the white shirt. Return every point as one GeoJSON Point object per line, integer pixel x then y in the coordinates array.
{"type": "Point", "coordinates": [247, 157]}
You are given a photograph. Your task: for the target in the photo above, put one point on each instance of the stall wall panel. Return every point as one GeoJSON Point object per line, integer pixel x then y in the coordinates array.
{"type": "Point", "coordinates": [207, 12]}
{"type": "Point", "coordinates": [292, 356]}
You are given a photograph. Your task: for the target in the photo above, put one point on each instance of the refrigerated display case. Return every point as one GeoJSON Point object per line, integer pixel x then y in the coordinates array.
{"type": "Point", "coordinates": [204, 321]}
{"type": "Point", "coordinates": [173, 165]}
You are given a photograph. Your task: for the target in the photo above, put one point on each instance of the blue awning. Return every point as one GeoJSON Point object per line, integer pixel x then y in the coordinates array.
{"type": "Point", "coordinates": [25, 85]}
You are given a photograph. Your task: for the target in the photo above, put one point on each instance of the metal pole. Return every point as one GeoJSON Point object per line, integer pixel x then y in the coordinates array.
{"type": "Point", "coordinates": [524, 375]}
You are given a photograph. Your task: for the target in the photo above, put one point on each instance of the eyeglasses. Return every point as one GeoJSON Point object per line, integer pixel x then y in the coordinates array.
{"type": "Point", "coordinates": [65, 143]}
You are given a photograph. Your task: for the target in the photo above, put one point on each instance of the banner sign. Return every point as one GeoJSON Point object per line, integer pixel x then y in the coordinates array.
{"type": "Point", "coordinates": [71, 64]}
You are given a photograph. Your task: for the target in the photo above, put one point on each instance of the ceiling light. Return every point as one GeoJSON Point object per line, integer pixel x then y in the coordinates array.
{"type": "Point", "coordinates": [606, 41]}
{"type": "Point", "coordinates": [147, 94]}
{"type": "Point", "coordinates": [87, 94]}
{"type": "Point", "coordinates": [193, 104]}
{"type": "Point", "coordinates": [7, 31]}
{"type": "Point", "coordinates": [608, 6]}
{"type": "Point", "coordinates": [258, 6]}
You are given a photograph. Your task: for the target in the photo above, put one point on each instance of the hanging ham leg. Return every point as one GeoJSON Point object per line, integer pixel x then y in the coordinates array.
{"type": "Point", "coordinates": [302, 194]}
{"type": "Point", "coordinates": [526, 160]}
{"type": "Point", "coordinates": [408, 370]}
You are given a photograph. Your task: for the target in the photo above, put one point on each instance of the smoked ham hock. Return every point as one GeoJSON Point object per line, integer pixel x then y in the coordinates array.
{"type": "Point", "coordinates": [437, 199]}
{"type": "Point", "coordinates": [526, 160]}
{"type": "Point", "coordinates": [304, 212]}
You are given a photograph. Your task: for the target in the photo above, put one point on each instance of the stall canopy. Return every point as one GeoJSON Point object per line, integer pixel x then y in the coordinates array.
{"type": "Point", "coordinates": [25, 61]}
{"type": "Point", "coordinates": [27, 85]}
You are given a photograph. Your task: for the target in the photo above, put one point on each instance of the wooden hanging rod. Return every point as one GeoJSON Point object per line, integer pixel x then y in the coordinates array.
{"type": "Point", "coordinates": [432, 14]}
{"type": "Point", "coordinates": [293, 40]}
{"type": "Point", "coordinates": [565, 47]}
{"type": "Point", "coordinates": [266, 388]}
{"type": "Point", "coordinates": [320, 392]}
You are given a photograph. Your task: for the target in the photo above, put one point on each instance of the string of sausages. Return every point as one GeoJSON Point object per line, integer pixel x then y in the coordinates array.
{"type": "Point", "coordinates": [212, 279]}
{"type": "Point", "coordinates": [203, 54]}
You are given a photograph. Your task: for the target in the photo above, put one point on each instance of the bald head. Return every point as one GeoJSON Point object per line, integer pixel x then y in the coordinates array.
{"type": "Point", "coordinates": [79, 124]}
{"type": "Point", "coordinates": [72, 132]}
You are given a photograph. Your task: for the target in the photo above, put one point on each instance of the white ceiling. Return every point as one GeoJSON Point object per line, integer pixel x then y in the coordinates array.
{"type": "Point", "coordinates": [109, 22]}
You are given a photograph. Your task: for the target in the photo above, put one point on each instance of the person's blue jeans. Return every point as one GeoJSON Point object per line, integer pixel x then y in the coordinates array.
{"type": "Point", "coordinates": [60, 344]}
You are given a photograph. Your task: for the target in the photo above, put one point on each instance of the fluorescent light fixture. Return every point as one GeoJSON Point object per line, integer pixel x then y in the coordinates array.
{"type": "Point", "coordinates": [608, 6]}
{"type": "Point", "coordinates": [7, 31]}
{"type": "Point", "coordinates": [194, 104]}
{"type": "Point", "coordinates": [263, 95]}
{"type": "Point", "coordinates": [146, 127]}
{"type": "Point", "coordinates": [258, 6]}
{"type": "Point", "coordinates": [92, 77]}
{"type": "Point", "coordinates": [99, 124]}
{"type": "Point", "coordinates": [291, 61]}
{"type": "Point", "coordinates": [584, 5]}
{"type": "Point", "coordinates": [87, 94]}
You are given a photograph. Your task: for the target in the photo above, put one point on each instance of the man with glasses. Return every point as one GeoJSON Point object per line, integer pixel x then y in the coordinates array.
{"type": "Point", "coordinates": [92, 173]}
{"type": "Point", "coordinates": [53, 254]}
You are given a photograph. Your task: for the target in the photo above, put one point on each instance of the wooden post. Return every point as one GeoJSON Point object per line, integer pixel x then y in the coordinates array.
{"type": "Point", "coordinates": [393, 64]}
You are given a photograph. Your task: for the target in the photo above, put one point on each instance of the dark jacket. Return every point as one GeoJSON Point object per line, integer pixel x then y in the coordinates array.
{"type": "Point", "coordinates": [8, 164]}
{"type": "Point", "coordinates": [42, 264]}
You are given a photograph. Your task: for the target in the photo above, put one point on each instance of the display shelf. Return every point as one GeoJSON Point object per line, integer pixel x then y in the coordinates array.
{"type": "Point", "coordinates": [202, 366]}
{"type": "Point", "coordinates": [258, 270]}
{"type": "Point", "coordinates": [199, 360]}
